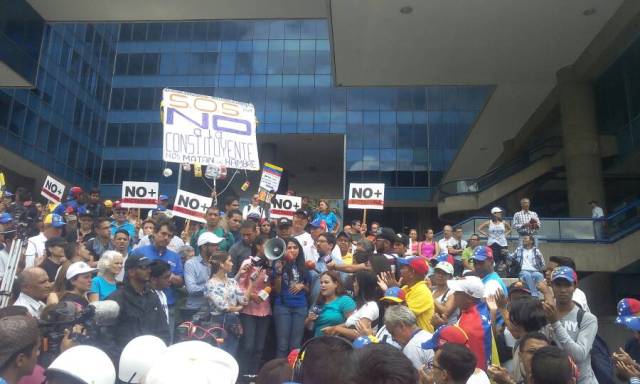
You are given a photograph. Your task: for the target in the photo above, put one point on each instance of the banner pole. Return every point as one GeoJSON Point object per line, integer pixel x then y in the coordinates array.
{"type": "Point", "coordinates": [364, 217]}
{"type": "Point", "coordinates": [185, 232]}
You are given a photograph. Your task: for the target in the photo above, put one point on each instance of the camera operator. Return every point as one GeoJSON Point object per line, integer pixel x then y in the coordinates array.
{"type": "Point", "coordinates": [19, 342]}
{"type": "Point", "coordinates": [141, 312]}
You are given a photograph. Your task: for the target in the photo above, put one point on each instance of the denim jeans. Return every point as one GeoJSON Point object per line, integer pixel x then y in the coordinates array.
{"type": "Point", "coordinates": [289, 327]}
{"type": "Point", "coordinates": [252, 342]}
{"type": "Point", "coordinates": [531, 279]}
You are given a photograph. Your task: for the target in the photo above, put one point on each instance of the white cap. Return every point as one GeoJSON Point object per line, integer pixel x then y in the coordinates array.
{"type": "Point", "coordinates": [495, 210]}
{"type": "Point", "coordinates": [138, 357]}
{"type": "Point", "coordinates": [78, 268]}
{"type": "Point", "coordinates": [194, 362]}
{"type": "Point", "coordinates": [471, 285]}
{"type": "Point", "coordinates": [86, 363]}
{"type": "Point", "coordinates": [208, 238]}
{"type": "Point", "coordinates": [445, 266]}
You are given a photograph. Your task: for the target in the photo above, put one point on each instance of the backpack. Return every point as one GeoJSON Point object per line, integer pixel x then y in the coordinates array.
{"type": "Point", "coordinates": [601, 361]}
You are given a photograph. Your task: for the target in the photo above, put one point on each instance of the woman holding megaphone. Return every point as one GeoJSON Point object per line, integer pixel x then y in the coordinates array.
{"type": "Point", "coordinates": [291, 286]}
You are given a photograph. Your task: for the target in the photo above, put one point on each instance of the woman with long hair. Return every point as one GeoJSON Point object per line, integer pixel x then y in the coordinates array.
{"type": "Point", "coordinates": [327, 216]}
{"type": "Point", "coordinates": [109, 266]}
{"type": "Point", "coordinates": [226, 299]}
{"type": "Point", "coordinates": [291, 286]}
{"type": "Point", "coordinates": [429, 246]}
{"type": "Point", "coordinates": [496, 230]}
{"type": "Point", "coordinates": [367, 294]}
{"type": "Point", "coordinates": [265, 228]}
{"type": "Point", "coordinates": [413, 242]}
{"type": "Point", "coordinates": [77, 284]}
{"type": "Point", "coordinates": [256, 315]}
{"type": "Point", "coordinates": [333, 306]}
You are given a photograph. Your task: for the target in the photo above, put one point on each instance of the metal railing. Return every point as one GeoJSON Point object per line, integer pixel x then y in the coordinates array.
{"type": "Point", "coordinates": [569, 229]}
{"type": "Point", "coordinates": [548, 147]}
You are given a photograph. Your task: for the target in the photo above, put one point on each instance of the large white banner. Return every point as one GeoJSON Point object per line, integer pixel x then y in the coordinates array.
{"type": "Point", "coordinates": [284, 206]}
{"type": "Point", "coordinates": [52, 190]}
{"type": "Point", "coordinates": [366, 196]}
{"type": "Point", "coordinates": [208, 130]}
{"type": "Point", "coordinates": [139, 194]}
{"type": "Point", "coordinates": [191, 206]}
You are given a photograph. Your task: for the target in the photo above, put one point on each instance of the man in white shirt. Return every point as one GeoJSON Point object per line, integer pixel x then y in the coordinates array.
{"type": "Point", "coordinates": [253, 207]}
{"type": "Point", "coordinates": [526, 222]}
{"type": "Point", "coordinates": [447, 241]}
{"type": "Point", "coordinates": [455, 248]}
{"type": "Point", "coordinates": [53, 224]}
{"type": "Point", "coordinates": [298, 230]}
{"type": "Point", "coordinates": [401, 324]}
{"type": "Point", "coordinates": [34, 289]}
{"type": "Point", "coordinates": [597, 214]}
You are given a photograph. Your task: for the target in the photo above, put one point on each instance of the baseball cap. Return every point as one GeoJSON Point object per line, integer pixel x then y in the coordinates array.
{"type": "Point", "coordinates": [284, 222]}
{"type": "Point", "coordinates": [303, 212]}
{"type": "Point", "coordinates": [471, 285]}
{"type": "Point", "coordinates": [317, 223]}
{"type": "Point", "coordinates": [482, 253]}
{"type": "Point", "coordinates": [394, 294]}
{"type": "Point", "coordinates": [629, 313]}
{"type": "Point", "coordinates": [209, 238]}
{"type": "Point", "coordinates": [402, 238]}
{"type": "Point", "coordinates": [386, 234]}
{"type": "Point", "coordinates": [566, 273]}
{"type": "Point", "coordinates": [5, 218]}
{"type": "Point", "coordinates": [137, 261]}
{"type": "Point", "coordinates": [445, 266]}
{"type": "Point", "coordinates": [78, 268]}
{"type": "Point", "coordinates": [55, 242]}
{"type": "Point", "coordinates": [417, 263]}
{"type": "Point", "coordinates": [496, 210]}
{"type": "Point", "coordinates": [447, 334]}
{"type": "Point", "coordinates": [344, 234]}
{"type": "Point", "coordinates": [54, 220]}
{"type": "Point", "coordinates": [75, 191]}
{"type": "Point", "coordinates": [163, 198]}
{"type": "Point", "coordinates": [253, 216]}
{"type": "Point", "coordinates": [518, 286]}
{"type": "Point", "coordinates": [16, 333]}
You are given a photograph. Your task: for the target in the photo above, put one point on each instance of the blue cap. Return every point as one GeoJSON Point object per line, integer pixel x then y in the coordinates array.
{"type": "Point", "coordinates": [54, 220]}
{"type": "Point", "coordinates": [161, 208]}
{"type": "Point", "coordinates": [317, 223]}
{"type": "Point", "coordinates": [482, 253]}
{"type": "Point", "coordinates": [163, 198]}
{"type": "Point", "coordinates": [5, 218]}
{"type": "Point", "coordinates": [566, 273]}
{"type": "Point", "coordinates": [362, 341]}
{"type": "Point", "coordinates": [8, 194]}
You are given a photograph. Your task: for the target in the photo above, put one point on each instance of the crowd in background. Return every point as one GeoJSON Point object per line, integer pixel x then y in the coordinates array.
{"type": "Point", "coordinates": [310, 299]}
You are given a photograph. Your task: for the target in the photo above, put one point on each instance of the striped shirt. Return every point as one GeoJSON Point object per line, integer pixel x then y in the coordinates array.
{"type": "Point", "coordinates": [523, 217]}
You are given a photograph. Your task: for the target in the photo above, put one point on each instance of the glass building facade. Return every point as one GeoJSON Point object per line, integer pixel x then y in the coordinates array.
{"type": "Point", "coordinates": [405, 137]}
{"type": "Point", "coordinates": [21, 29]}
{"type": "Point", "coordinates": [60, 124]}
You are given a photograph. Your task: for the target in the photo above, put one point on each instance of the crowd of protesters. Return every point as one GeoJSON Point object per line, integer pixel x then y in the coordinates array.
{"type": "Point", "coordinates": [247, 298]}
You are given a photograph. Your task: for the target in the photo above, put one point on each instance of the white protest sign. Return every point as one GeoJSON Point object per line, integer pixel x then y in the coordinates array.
{"type": "Point", "coordinates": [208, 130]}
{"type": "Point", "coordinates": [191, 206]}
{"type": "Point", "coordinates": [139, 194]}
{"type": "Point", "coordinates": [366, 196]}
{"type": "Point", "coordinates": [52, 190]}
{"type": "Point", "coordinates": [285, 206]}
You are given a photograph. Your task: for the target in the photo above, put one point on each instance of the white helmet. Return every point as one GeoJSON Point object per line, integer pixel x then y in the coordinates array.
{"type": "Point", "coordinates": [138, 357]}
{"type": "Point", "coordinates": [86, 363]}
{"type": "Point", "coordinates": [193, 362]}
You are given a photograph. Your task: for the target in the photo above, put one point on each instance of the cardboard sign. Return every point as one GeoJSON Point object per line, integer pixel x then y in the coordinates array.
{"type": "Point", "coordinates": [208, 130]}
{"type": "Point", "coordinates": [52, 190]}
{"type": "Point", "coordinates": [366, 196]}
{"type": "Point", "coordinates": [269, 182]}
{"type": "Point", "coordinates": [138, 194]}
{"type": "Point", "coordinates": [191, 206]}
{"type": "Point", "coordinates": [285, 206]}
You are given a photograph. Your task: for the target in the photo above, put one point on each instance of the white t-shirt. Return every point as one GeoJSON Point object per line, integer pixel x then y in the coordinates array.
{"type": "Point", "coordinates": [443, 244]}
{"type": "Point", "coordinates": [369, 311]}
{"type": "Point", "coordinates": [35, 249]}
{"type": "Point", "coordinates": [248, 209]}
{"type": "Point", "coordinates": [306, 241]}
{"type": "Point", "coordinates": [580, 298]}
{"type": "Point", "coordinates": [529, 259]}
{"type": "Point", "coordinates": [413, 350]}
{"type": "Point", "coordinates": [492, 287]}
{"type": "Point", "coordinates": [479, 377]}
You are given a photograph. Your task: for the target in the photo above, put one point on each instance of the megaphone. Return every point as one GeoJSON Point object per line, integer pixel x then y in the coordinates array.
{"type": "Point", "coordinates": [274, 248]}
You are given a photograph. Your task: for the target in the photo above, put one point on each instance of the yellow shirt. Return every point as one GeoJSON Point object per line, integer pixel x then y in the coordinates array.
{"type": "Point", "coordinates": [420, 302]}
{"type": "Point", "coordinates": [347, 259]}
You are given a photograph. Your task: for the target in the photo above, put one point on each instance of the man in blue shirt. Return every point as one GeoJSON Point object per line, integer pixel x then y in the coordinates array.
{"type": "Point", "coordinates": [197, 272]}
{"type": "Point", "coordinates": [158, 251]}
{"type": "Point", "coordinates": [121, 222]}
{"type": "Point", "coordinates": [483, 265]}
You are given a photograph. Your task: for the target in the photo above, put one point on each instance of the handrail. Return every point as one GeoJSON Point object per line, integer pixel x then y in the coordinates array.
{"type": "Point", "coordinates": [497, 174]}
{"type": "Point", "coordinates": [574, 229]}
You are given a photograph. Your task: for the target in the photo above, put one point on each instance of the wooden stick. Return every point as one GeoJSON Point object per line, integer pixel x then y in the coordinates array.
{"type": "Point", "coordinates": [364, 217]}
{"type": "Point", "coordinates": [185, 232]}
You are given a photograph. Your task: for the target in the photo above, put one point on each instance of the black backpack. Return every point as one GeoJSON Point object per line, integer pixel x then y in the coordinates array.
{"type": "Point", "coordinates": [601, 361]}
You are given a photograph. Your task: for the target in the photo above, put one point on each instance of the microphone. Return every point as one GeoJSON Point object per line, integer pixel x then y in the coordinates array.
{"type": "Point", "coordinates": [106, 312]}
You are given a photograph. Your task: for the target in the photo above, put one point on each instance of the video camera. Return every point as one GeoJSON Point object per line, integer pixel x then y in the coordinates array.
{"type": "Point", "coordinates": [65, 316]}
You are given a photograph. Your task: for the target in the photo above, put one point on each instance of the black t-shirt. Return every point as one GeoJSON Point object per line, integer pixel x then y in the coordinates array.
{"type": "Point", "coordinates": [51, 268]}
{"type": "Point", "coordinates": [632, 347]}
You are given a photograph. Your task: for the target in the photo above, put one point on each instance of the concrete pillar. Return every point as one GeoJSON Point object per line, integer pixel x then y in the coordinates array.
{"type": "Point", "coordinates": [583, 164]}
